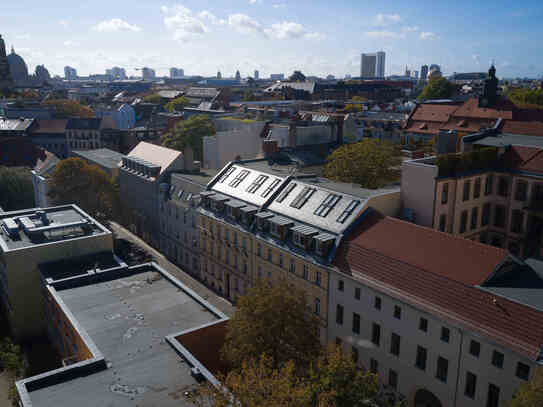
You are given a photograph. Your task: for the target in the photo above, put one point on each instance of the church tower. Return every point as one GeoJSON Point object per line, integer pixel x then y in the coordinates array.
{"type": "Point", "coordinates": [5, 76]}
{"type": "Point", "coordinates": [490, 91]}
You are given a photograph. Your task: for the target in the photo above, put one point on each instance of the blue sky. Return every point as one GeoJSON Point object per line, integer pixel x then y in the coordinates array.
{"type": "Point", "coordinates": [276, 36]}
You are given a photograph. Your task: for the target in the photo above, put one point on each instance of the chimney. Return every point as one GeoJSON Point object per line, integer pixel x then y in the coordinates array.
{"type": "Point", "coordinates": [188, 159]}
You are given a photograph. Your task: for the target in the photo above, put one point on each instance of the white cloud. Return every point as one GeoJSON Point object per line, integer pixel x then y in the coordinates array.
{"type": "Point", "coordinates": [476, 58]}
{"type": "Point", "coordinates": [70, 43]}
{"type": "Point", "coordinates": [211, 17]}
{"type": "Point", "coordinates": [253, 1]}
{"type": "Point", "coordinates": [244, 24]}
{"type": "Point", "coordinates": [286, 29]}
{"type": "Point", "coordinates": [387, 19]}
{"type": "Point", "coordinates": [279, 5]}
{"type": "Point", "coordinates": [315, 36]}
{"type": "Point", "coordinates": [411, 28]}
{"type": "Point", "coordinates": [183, 24]}
{"type": "Point", "coordinates": [384, 34]}
{"type": "Point", "coordinates": [115, 24]}
{"type": "Point", "coordinates": [426, 35]}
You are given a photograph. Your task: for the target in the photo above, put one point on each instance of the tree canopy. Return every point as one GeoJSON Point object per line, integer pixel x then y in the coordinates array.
{"type": "Point", "coordinates": [437, 88]}
{"type": "Point", "coordinates": [16, 190]}
{"type": "Point", "coordinates": [297, 76]}
{"type": "Point", "coordinates": [530, 394]}
{"type": "Point", "coordinates": [352, 108]}
{"type": "Point", "coordinates": [272, 320]}
{"type": "Point", "coordinates": [153, 98]}
{"type": "Point", "coordinates": [526, 97]}
{"type": "Point", "coordinates": [371, 163]}
{"type": "Point", "coordinates": [177, 104]}
{"type": "Point", "coordinates": [66, 108]}
{"type": "Point", "coordinates": [88, 186]}
{"type": "Point", "coordinates": [189, 133]}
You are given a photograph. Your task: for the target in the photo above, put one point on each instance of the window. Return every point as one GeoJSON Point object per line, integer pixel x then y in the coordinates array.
{"type": "Point", "coordinates": [270, 187]}
{"type": "Point", "coordinates": [395, 344]}
{"type": "Point", "coordinates": [442, 222]}
{"type": "Point", "coordinates": [318, 278]}
{"type": "Point", "coordinates": [489, 184]}
{"type": "Point", "coordinates": [377, 303]}
{"type": "Point", "coordinates": [499, 216]}
{"type": "Point", "coordinates": [340, 285]}
{"type": "Point", "coordinates": [393, 379]}
{"type": "Point", "coordinates": [269, 254]}
{"type": "Point", "coordinates": [286, 192]}
{"type": "Point", "coordinates": [356, 323]}
{"type": "Point", "coordinates": [471, 385]}
{"type": "Point", "coordinates": [486, 215]}
{"type": "Point", "coordinates": [497, 359]}
{"type": "Point", "coordinates": [523, 371]}
{"type": "Point", "coordinates": [306, 272]}
{"type": "Point", "coordinates": [238, 178]}
{"type": "Point", "coordinates": [327, 205]}
{"type": "Point", "coordinates": [442, 369]}
{"type": "Point", "coordinates": [423, 325]}
{"type": "Point", "coordinates": [445, 334]}
{"type": "Point", "coordinates": [226, 174]}
{"type": "Point", "coordinates": [338, 341]}
{"type": "Point", "coordinates": [317, 306]}
{"type": "Point", "coordinates": [503, 186]}
{"type": "Point", "coordinates": [517, 221]}
{"type": "Point", "coordinates": [281, 260]}
{"type": "Point", "coordinates": [521, 191]}
{"type": "Point", "coordinates": [493, 397]}
{"type": "Point", "coordinates": [420, 361]}
{"type": "Point", "coordinates": [475, 348]}
{"type": "Point", "coordinates": [292, 266]}
{"type": "Point", "coordinates": [257, 183]}
{"type": "Point", "coordinates": [375, 334]}
{"type": "Point", "coordinates": [397, 312]}
{"type": "Point", "coordinates": [355, 354]}
{"type": "Point", "coordinates": [474, 217]}
{"type": "Point", "coordinates": [467, 190]}
{"type": "Point", "coordinates": [477, 188]}
{"type": "Point", "coordinates": [445, 193]}
{"type": "Point", "coordinates": [348, 211]}
{"type": "Point", "coordinates": [374, 366]}
{"type": "Point", "coordinates": [302, 197]}
{"type": "Point", "coordinates": [339, 314]}
{"type": "Point", "coordinates": [463, 221]}
{"type": "Point", "coordinates": [357, 293]}
{"type": "Point", "coordinates": [259, 250]}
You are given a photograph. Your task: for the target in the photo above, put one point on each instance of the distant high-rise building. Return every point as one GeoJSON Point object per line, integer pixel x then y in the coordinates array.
{"type": "Point", "coordinates": [277, 76]}
{"type": "Point", "coordinates": [219, 75]}
{"type": "Point", "coordinates": [373, 65]}
{"type": "Point", "coordinates": [415, 74]}
{"type": "Point", "coordinates": [70, 73]}
{"type": "Point", "coordinates": [330, 77]}
{"type": "Point", "coordinates": [348, 76]}
{"type": "Point", "coordinates": [257, 75]}
{"type": "Point", "coordinates": [177, 73]}
{"type": "Point", "coordinates": [238, 76]}
{"type": "Point", "coordinates": [148, 73]}
{"type": "Point", "coordinates": [116, 73]}
{"type": "Point", "coordinates": [407, 72]}
{"type": "Point", "coordinates": [423, 72]}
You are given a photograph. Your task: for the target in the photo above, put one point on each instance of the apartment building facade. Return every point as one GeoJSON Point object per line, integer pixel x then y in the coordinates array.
{"type": "Point", "coordinates": [419, 320]}
{"type": "Point", "coordinates": [498, 204]}
{"type": "Point", "coordinates": [262, 223]}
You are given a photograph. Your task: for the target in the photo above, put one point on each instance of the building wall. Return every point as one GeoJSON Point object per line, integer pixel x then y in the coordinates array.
{"type": "Point", "coordinates": [388, 204]}
{"type": "Point", "coordinates": [41, 189]}
{"type": "Point", "coordinates": [417, 190]}
{"type": "Point", "coordinates": [23, 279]}
{"type": "Point", "coordinates": [451, 393]}
{"type": "Point", "coordinates": [313, 135]}
{"type": "Point", "coordinates": [82, 140]}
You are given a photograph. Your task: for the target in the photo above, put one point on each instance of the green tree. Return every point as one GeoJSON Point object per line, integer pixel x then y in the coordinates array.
{"type": "Point", "coordinates": [371, 163]}
{"type": "Point", "coordinates": [437, 88]}
{"type": "Point", "coordinates": [530, 394]}
{"type": "Point", "coordinates": [16, 190]}
{"type": "Point", "coordinates": [297, 76]}
{"type": "Point", "coordinates": [189, 133]}
{"type": "Point", "coordinates": [88, 186]}
{"type": "Point", "coordinates": [177, 104]}
{"type": "Point", "coordinates": [66, 108]}
{"type": "Point", "coordinates": [273, 320]}
{"type": "Point", "coordinates": [352, 108]}
{"type": "Point", "coordinates": [248, 96]}
{"type": "Point", "coordinates": [336, 381]}
{"type": "Point", "coordinates": [526, 98]}
{"type": "Point", "coordinates": [154, 98]}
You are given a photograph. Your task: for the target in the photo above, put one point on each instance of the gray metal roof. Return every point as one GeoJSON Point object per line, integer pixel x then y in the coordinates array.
{"type": "Point", "coordinates": [279, 220]}
{"type": "Point", "coordinates": [207, 193]}
{"type": "Point", "coordinates": [264, 215]}
{"type": "Point", "coordinates": [219, 198]}
{"type": "Point", "coordinates": [504, 140]}
{"type": "Point", "coordinates": [235, 204]}
{"type": "Point", "coordinates": [324, 237]}
{"type": "Point", "coordinates": [305, 230]}
{"type": "Point", "coordinates": [249, 208]}
{"type": "Point", "coordinates": [102, 156]}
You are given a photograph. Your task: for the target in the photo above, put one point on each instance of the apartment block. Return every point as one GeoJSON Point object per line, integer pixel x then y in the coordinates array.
{"type": "Point", "coordinates": [443, 321]}
{"type": "Point", "coordinates": [29, 239]}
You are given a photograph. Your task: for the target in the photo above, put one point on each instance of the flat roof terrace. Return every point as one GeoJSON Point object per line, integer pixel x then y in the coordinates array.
{"type": "Point", "coordinates": [126, 317]}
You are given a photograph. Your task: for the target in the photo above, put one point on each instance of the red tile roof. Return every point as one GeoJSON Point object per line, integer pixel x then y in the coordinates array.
{"type": "Point", "coordinates": [471, 109]}
{"type": "Point", "coordinates": [523, 158]}
{"type": "Point", "coordinates": [528, 128]}
{"type": "Point", "coordinates": [433, 112]}
{"type": "Point", "coordinates": [436, 272]}
{"type": "Point", "coordinates": [50, 126]}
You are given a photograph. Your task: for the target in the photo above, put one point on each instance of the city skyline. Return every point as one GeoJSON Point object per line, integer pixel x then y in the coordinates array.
{"type": "Point", "coordinates": [274, 36]}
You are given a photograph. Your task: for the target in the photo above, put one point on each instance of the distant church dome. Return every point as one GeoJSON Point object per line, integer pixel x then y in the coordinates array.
{"type": "Point", "coordinates": [17, 67]}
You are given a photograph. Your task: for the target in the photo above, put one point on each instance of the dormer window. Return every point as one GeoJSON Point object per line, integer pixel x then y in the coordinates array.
{"type": "Point", "coordinates": [302, 236]}
{"type": "Point", "coordinates": [323, 244]}
{"type": "Point", "coordinates": [248, 214]}
{"type": "Point", "coordinates": [280, 227]}
{"type": "Point", "coordinates": [262, 221]}
{"type": "Point", "coordinates": [233, 209]}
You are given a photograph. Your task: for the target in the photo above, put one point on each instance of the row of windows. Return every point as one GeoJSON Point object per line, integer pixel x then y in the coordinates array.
{"type": "Point", "coordinates": [499, 220]}
{"type": "Point", "coordinates": [84, 144]}
{"type": "Point", "coordinates": [176, 212]}
{"type": "Point", "coordinates": [229, 236]}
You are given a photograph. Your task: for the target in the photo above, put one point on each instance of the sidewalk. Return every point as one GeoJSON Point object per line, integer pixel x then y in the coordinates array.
{"type": "Point", "coordinates": [217, 301]}
{"type": "Point", "coordinates": [4, 387]}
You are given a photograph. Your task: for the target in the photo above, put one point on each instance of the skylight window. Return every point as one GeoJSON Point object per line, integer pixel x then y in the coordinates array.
{"type": "Point", "coordinates": [348, 211]}
{"type": "Point", "coordinates": [302, 197]}
{"type": "Point", "coordinates": [189, 197]}
{"type": "Point", "coordinates": [285, 193]}
{"type": "Point", "coordinates": [327, 205]}
{"type": "Point", "coordinates": [257, 183]}
{"type": "Point", "coordinates": [240, 177]}
{"type": "Point", "coordinates": [227, 174]}
{"type": "Point", "coordinates": [180, 194]}
{"type": "Point", "coordinates": [270, 187]}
